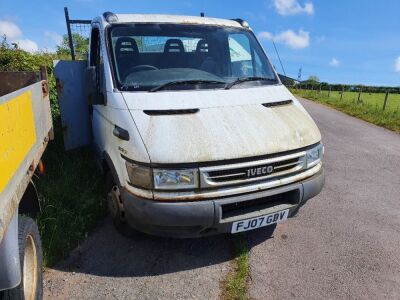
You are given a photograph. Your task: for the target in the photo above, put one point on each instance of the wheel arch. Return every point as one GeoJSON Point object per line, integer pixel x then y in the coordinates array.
{"type": "Point", "coordinates": [29, 204]}
{"type": "Point", "coordinates": [10, 269]}
{"type": "Point", "coordinates": [109, 166]}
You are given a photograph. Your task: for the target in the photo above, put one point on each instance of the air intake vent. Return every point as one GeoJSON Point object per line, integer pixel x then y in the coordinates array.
{"type": "Point", "coordinates": [250, 206]}
{"type": "Point", "coordinates": [279, 103]}
{"type": "Point", "coordinates": [171, 112]}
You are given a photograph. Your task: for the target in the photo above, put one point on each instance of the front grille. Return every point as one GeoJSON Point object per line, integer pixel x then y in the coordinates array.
{"type": "Point", "coordinates": [242, 173]}
{"type": "Point", "coordinates": [250, 206]}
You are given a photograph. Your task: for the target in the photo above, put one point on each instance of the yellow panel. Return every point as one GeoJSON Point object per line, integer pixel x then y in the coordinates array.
{"type": "Point", "coordinates": [17, 135]}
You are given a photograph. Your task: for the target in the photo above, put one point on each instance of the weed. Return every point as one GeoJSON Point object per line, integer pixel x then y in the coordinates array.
{"type": "Point", "coordinates": [71, 196]}
{"type": "Point", "coordinates": [235, 285]}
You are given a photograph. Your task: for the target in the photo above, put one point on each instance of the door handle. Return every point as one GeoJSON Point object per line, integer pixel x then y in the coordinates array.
{"type": "Point", "coordinates": [121, 133]}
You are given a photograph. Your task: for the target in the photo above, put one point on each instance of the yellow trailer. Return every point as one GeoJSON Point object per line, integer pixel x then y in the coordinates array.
{"type": "Point", "coordinates": [25, 130]}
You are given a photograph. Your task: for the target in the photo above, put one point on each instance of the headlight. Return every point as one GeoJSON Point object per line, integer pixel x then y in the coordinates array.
{"type": "Point", "coordinates": [146, 177]}
{"type": "Point", "coordinates": [175, 179]}
{"type": "Point", "coordinates": [139, 176]}
{"type": "Point", "coordinates": [314, 155]}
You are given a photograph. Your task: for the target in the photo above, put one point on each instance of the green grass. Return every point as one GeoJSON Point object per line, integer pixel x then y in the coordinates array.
{"type": "Point", "coordinates": [71, 196]}
{"type": "Point", "coordinates": [368, 108]}
{"type": "Point", "coordinates": [71, 192]}
{"type": "Point", "coordinates": [235, 286]}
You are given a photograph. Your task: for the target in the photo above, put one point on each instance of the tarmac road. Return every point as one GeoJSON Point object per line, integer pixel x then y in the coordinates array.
{"type": "Point", "coordinates": [109, 266]}
{"type": "Point", "coordinates": [344, 244]}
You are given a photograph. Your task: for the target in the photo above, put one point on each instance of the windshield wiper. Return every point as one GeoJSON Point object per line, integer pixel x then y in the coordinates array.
{"type": "Point", "coordinates": [245, 79]}
{"type": "Point", "coordinates": [191, 81]}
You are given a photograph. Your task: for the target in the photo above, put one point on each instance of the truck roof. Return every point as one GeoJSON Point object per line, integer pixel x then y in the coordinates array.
{"type": "Point", "coordinates": [155, 18]}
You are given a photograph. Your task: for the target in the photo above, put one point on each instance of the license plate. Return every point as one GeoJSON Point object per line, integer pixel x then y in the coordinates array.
{"type": "Point", "coordinates": [258, 222]}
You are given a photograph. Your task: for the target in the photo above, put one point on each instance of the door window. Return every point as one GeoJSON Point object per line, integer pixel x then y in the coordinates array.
{"type": "Point", "coordinates": [245, 60]}
{"type": "Point", "coordinates": [96, 58]}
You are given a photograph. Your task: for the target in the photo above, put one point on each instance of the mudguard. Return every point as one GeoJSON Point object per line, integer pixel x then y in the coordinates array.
{"type": "Point", "coordinates": [10, 275]}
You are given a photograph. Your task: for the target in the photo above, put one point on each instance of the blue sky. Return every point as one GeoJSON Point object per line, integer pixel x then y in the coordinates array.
{"type": "Point", "coordinates": [354, 41]}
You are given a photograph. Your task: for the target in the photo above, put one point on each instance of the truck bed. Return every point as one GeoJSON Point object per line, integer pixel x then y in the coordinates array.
{"type": "Point", "coordinates": [25, 128]}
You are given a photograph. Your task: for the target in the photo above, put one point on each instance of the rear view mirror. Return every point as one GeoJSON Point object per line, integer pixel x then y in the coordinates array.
{"type": "Point", "coordinates": [93, 92]}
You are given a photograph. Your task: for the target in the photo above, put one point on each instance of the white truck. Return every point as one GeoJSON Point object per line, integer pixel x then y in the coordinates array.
{"type": "Point", "coordinates": [191, 125]}
{"type": "Point", "coordinates": [25, 130]}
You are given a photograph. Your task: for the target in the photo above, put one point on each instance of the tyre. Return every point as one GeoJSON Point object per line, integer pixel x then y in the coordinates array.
{"type": "Point", "coordinates": [116, 208]}
{"type": "Point", "coordinates": [30, 253]}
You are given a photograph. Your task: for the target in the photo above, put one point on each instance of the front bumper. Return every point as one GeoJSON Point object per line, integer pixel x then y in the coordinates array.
{"type": "Point", "coordinates": [208, 217]}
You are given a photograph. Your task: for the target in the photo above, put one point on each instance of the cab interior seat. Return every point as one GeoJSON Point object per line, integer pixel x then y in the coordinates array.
{"type": "Point", "coordinates": [174, 55]}
{"type": "Point", "coordinates": [127, 55]}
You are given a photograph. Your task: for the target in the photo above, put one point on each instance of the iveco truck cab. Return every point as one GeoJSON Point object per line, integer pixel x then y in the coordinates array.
{"type": "Point", "coordinates": [191, 124]}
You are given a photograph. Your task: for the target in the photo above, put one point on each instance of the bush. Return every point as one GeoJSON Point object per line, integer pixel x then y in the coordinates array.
{"type": "Point", "coordinates": [70, 192]}
{"type": "Point", "coordinates": [14, 59]}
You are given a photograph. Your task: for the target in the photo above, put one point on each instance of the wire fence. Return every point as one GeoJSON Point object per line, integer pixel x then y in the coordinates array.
{"type": "Point", "coordinates": [78, 36]}
{"type": "Point", "coordinates": [373, 98]}
{"type": "Point", "coordinates": [81, 29]}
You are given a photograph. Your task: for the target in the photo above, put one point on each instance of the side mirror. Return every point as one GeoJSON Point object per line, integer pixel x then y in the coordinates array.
{"type": "Point", "coordinates": [93, 92]}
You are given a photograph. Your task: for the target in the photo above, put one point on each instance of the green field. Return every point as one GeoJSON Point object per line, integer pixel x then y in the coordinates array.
{"type": "Point", "coordinates": [369, 107]}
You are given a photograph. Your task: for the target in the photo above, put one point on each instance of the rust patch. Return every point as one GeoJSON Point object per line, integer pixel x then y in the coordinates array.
{"type": "Point", "coordinates": [45, 89]}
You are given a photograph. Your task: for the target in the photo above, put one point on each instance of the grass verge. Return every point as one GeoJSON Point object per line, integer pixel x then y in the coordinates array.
{"type": "Point", "coordinates": [71, 192]}
{"type": "Point", "coordinates": [366, 110]}
{"type": "Point", "coordinates": [235, 285]}
{"type": "Point", "coordinates": [71, 197]}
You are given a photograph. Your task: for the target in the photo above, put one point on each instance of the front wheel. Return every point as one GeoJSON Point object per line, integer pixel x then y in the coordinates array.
{"type": "Point", "coordinates": [30, 254]}
{"type": "Point", "coordinates": [116, 207]}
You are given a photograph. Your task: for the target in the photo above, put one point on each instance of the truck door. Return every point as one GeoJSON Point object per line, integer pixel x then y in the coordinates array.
{"type": "Point", "coordinates": [74, 107]}
{"type": "Point", "coordinates": [98, 94]}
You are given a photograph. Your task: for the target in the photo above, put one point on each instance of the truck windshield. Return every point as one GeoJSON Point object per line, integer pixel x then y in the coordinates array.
{"type": "Point", "coordinates": [151, 57]}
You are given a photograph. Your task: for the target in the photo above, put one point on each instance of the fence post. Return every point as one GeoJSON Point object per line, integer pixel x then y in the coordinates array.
{"type": "Point", "coordinates": [359, 95]}
{"type": "Point", "coordinates": [329, 92]}
{"type": "Point", "coordinates": [319, 88]}
{"type": "Point", "coordinates": [386, 99]}
{"type": "Point", "coordinates": [71, 43]}
{"type": "Point", "coordinates": [341, 95]}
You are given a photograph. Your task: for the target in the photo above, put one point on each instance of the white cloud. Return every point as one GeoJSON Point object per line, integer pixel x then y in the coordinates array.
{"type": "Point", "coordinates": [14, 36]}
{"type": "Point", "coordinates": [10, 30]}
{"type": "Point", "coordinates": [27, 45]}
{"type": "Point", "coordinates": [53, 37]}
{"type": "Point", "coordinates": [397, 64]}
{"type": "Point", "coordinates": [265, 35]}
{"type": "Point", "coordinates": [334, 62]}
{"type": "Point", "coordinates": [293, 7]}
{"type": "Point", "coordinates": [290, 38]}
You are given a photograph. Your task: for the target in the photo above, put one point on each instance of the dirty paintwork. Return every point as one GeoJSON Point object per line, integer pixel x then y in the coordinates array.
{"type": "Point", "coordinates": [223, 124]}
{"type": "Point", "coordinates": [25, 139]}
{"type": "Point", "coordinates": [17, 134]}
{"type": "Point", "coordinates": [224, 128]}
{"type": "Point", "coordinates": [174, 19]}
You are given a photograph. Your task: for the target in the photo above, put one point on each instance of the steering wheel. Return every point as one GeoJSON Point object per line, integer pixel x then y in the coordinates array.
{"type": "Point", "coordinates": [141, 68]}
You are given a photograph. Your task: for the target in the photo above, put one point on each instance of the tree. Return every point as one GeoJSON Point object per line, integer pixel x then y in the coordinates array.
{"type": "Point", "coordinates": [81, 45]}
{"type": "Point", "coordinates": [313, 78]}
